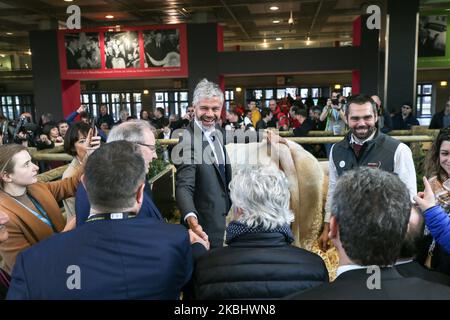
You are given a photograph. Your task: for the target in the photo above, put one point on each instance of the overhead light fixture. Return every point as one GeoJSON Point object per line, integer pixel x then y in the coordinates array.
{"type": "Point", "coordinates": [443, 83]}
{"type": "Point", "coordinates": [109, 16]}
{"type": "Point", "coordinates": [276, 21]}
{"type": "Point", "coordinates": [308, 41]}
{"type": "Point", "coordinates": [68, 0]}
{"type": "Point", "coordinates": [278, 39]}
{"type": "Point", "coordinates": [291, 19]}
{"type": "Point", "coordinates": [145, 92]}
{"type": "Point", "coordinates": [279, 48]}
{"type": "Point", "coordinates": [2, 55]}
{"type": "Point", "coordinates": [337, 86]}
{"type": "Point", "coordinates": [238, 89]}
{"type": "Point", "coordinates": [28, 52]}
{"type": "Point", "coordinates": [274, 8]}
{"type": "Point", "coordinates": [9, 33]}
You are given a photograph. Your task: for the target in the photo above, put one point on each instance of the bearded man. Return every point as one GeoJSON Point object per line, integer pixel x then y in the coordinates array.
{"type": "Point", "coordinates": [203, 170]}
{"type": "Point", "coordinates": [364, 145]}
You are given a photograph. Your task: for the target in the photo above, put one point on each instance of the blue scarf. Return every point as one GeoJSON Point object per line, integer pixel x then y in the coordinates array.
{"type": "Point", "coordinates": [236, 229]}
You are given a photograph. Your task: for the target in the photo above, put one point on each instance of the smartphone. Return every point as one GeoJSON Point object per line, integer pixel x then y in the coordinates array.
{"type": "Point", "coordinates": [94, 128]}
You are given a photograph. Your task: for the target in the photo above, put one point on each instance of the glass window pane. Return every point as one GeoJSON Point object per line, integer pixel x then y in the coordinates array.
{"type": "Point", "coordinates": [9, 100]}
{"type": "Point", "coordinates": [315, 92]}
{"type": "Point", "coordinates": [292, 92]}
{"type": "Point", "coordinates": [227, 95]}
{"type": "Point", "coordinates": [419, 89]}
{"type": "Point", "coordinates": [159, 105]}
{"type": "Point", "coordinates": [281, 93]}
{"type": "Point", "coordinates": [232, 95]}
{"type": "Point", "coordinates": [184, 96]}
{"type": "Point", "coordinates": [304, 93]}
{"type": "Point", "coordinates": [159, 96]}
{"type": "Point", "coordinates": [17, 98]}
{"type": "Point", "coordinates": [427, 89]}
{"type": "Point", "coordinates": [138, 107]}
{"type": "Point", "coordinates": [269, 94]}
{"type": "Point", "coordinates": [137, 97]}
{"type": "Point", "coordinates": [94, 97]}
{"type": "Point", "coordinates": [258, 94]}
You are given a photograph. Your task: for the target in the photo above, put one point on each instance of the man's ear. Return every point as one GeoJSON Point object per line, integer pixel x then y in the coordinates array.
{"type": "Point", "coordinates": [140, 193]}
{"type": "Point", "coordinates": [334, 228]}
{"type": "Point", "coordinates": [83, 180]}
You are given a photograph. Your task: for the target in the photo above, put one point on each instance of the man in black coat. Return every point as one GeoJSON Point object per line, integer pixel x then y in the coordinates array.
{"type": "Point", "coordinates": [203, 172]}
{"type": "Point", "coordinates": [406, 264]}
{"type": "Point", "coordinates": [441, 119]}
{"type": "Point", "coordinates": [260, 261]}
{"type": "Point", "coordinates": [368, 224]}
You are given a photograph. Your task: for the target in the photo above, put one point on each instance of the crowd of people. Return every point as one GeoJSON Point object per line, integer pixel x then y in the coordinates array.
{"type": "Point", "coordinates": [121, 247]}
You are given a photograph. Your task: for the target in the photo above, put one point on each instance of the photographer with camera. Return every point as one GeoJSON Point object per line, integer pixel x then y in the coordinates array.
{"type": "Point", "coordinates": [334, 115]}
{"type": "Point", "coordinates": [25, 130]}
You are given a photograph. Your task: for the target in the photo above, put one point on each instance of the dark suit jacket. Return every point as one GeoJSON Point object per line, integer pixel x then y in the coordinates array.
{"type": "Point", "coordinates": [117, 259]}
{"type": "Point", "coordinates": [200, 187]}
{"type": "Point", "coordinates": [83, 207]}
{"type": "Point", "coordinates": [71, 60]}
{"type": "Point", "coordinates": [414, 269]}
{"type": "Point", "coordinates": [352, 285]}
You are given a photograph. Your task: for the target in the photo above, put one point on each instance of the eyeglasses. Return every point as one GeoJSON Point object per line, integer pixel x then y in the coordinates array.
{"type": "Point", "coordinates": [406, 107]}
{"type": "Point", "coordinates": [150, 146]}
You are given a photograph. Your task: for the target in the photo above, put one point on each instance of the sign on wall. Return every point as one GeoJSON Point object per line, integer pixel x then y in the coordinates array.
{"type": "Point", "coordinates": [133, 52]}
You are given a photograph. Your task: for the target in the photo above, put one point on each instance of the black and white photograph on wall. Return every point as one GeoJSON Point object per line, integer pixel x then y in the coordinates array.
{"type": "Point", "coordinates": [122, 50]}
{"type": "Point", "coordinates": [162, 48]}
{"type": "Point", "coordinates": [432, 36]}
{"type": "Point", "coordinates": [82, 50]}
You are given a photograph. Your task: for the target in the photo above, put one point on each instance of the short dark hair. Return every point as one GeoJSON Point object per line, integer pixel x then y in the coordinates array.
{"type": "Point", "coordinates": [360, 100]}
{"type": "Point", "coordinates": [372, 208]}
{"type": "Point", "coordinates": [301, 112]}
{"type": "Point", "coordinates": [161, 110]}
{"type": "Point", "coordinates": [48, 127]}
{"type": "Point", "coordinates": [73, 135]}
{"type": "Point", "coordinates": [265, 112]}
{"type": "Point", "coordinates": [165, 122]}
{"type": "Point", "coordinates": [84, 114]}
{"type": "Point", "coordinates": [113, 173]}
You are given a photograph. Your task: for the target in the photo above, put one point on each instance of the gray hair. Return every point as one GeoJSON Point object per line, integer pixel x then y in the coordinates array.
{"type": "Point", "coordinates": [206, 90]}
{"type": "Point", "coordinates": [123, 114]}
{"type": "Point", "coordinates": [131, 131]}
{"type": "Point", "coordinates": [263, 195]}
{"type": "Point", "coordinates": [372, 208]}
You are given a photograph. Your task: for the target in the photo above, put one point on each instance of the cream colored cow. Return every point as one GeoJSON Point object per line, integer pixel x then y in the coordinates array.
{"type": "Point", "coordinates": [307, 182]}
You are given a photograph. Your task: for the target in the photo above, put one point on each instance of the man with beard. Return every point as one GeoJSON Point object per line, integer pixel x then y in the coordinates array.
{"type": "Point", "coordinates": [364, 145]}
{"type": "Point", "coordinates": [203, 174]}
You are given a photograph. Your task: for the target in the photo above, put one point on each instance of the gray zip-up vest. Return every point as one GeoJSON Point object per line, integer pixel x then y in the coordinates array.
{"type": "Point", "coordinates": [378, 152]}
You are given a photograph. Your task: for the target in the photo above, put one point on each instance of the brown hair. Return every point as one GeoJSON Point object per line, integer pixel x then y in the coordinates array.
{"type": "Point", "coordinates": [432, 164]}
{"type": "Point", "coordinates": [7, 152]}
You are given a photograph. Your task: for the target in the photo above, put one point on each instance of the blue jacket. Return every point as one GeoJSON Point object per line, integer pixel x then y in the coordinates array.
{"type": "Point", "coordinates": [438, 222]}
{"type": "Point", "coordinates": [107, 259]}
{"type": "Point", "coordinates": [83, 207]}
{"type": "Point", "coordinates": [71, 118]}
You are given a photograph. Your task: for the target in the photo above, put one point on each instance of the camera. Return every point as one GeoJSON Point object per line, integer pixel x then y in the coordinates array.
{"type": "Point", "coordinates": [25, 126]}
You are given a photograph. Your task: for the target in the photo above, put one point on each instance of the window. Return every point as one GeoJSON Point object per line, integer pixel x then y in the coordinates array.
{"type": "Point", "coordinates": [173, 102]}
{"type": "Point", "coordinates": [114, 101]}
{"type": "Point", "coordinates": [347, 91]}
{"type": "Point", "coordinates": [424, 100]}
{"type": "Point", "coordinates": [11, 106]}
{"type": "Point", "coordinates": [229, 97]}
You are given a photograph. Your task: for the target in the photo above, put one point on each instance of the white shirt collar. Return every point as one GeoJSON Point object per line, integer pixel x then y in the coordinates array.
{"type": "Point", "coordinates": [403, 262]}
{"type": "Point", "coordinates": [354, 139]}
{"type": "Point", "coordinates": [348, 267]}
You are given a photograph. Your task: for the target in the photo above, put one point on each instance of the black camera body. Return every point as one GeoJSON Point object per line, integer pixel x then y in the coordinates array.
{"type": "Point", "coordinates": [25, 126]}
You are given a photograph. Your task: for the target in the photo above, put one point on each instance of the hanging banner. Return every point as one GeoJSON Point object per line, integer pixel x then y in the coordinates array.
{"type": "Point", "coordinates": [125, 52]}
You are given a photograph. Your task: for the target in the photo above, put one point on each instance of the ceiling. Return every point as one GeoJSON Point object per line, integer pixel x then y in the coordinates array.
{"type": "Point", "coordinates": [247, 23]}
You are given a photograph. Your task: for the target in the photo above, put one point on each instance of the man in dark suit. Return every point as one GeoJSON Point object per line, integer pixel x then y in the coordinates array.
{"type": "Point", "coordinates": [203, 172]}
{"type": "Point", "coordinates": [72, 54]}
{"type": "Point", "coordinates": [406, 264]}
{"type": "Point", "coordinates": [141, 133]}
{"type": "Point", "coordinates": [113, 255]}
{"type": "Point", "coordinates": [368, 224]}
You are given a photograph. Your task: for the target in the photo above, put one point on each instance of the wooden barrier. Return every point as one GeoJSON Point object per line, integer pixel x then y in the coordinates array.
{"type": "Point", "coordinates": [414, 131]}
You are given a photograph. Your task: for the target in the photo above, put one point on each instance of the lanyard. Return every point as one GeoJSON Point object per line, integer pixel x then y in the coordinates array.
{"type": "Point", "coordinates": [41, 215]}
{"type": "Point", "coordinates": [111, 216]}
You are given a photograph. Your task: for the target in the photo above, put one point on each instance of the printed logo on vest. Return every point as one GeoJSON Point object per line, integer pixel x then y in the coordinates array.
{"type": "Point", "coordinates": [374, 165]}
